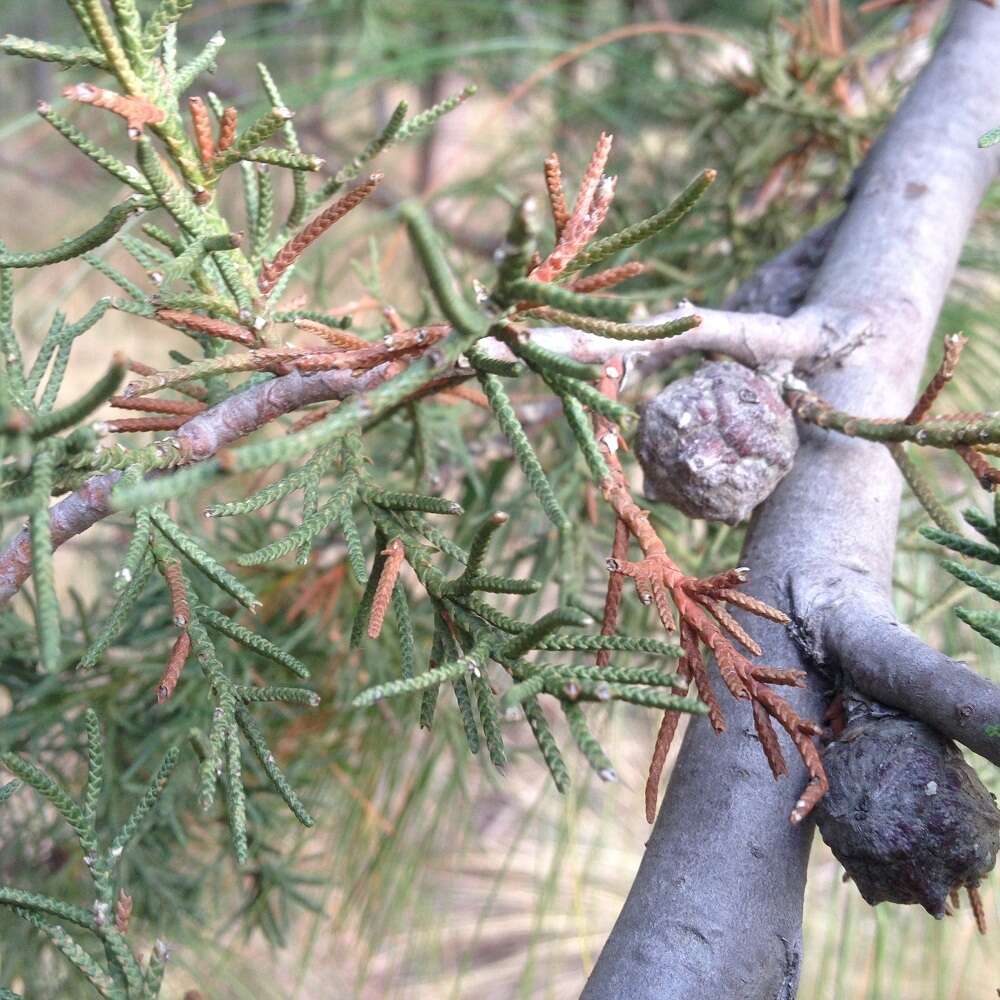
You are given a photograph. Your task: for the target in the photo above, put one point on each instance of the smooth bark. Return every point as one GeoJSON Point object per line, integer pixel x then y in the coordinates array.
{"type": "Point", "coordinates": [715, 910]}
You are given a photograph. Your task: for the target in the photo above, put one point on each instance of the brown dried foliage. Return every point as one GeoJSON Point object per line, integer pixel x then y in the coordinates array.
{"type": "Point", "coordinates": [136, 111]}
{"type": "Point", "coordinates": [272, 271]}
{"type": "Point", "coordinates": [394, 555]}
{"type": "Point", "coordinates": [705, 621]}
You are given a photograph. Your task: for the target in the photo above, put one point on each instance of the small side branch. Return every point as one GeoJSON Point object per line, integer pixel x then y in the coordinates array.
{"type": "Point", "coordinates": [858, 633]}
{"type": "Point", "coordinates": [200, 438]}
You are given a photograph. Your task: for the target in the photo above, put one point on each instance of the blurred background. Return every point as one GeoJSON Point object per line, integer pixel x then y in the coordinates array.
{"type": "Point", "coordinates": [427, 875]}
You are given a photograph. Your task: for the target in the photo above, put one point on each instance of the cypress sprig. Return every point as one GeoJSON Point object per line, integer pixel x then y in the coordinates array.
{"type": "Point", "coordinates": [581, 304]}
{"type": "Point", "coordinates": [252, 137]}
{"type": "Point", "coordinates": [6, 791]}
{"type": "Point", "coordinates": [586, 440]}
{"type": "Point", "coordinates": [540, 630]}
{"type": "Point", "coordinates": [517, 249]}
{"type": "Point", "coordinates": [119, 616]}
{"type": "Point", "coordinates": [268, 761]}
{"type": "Point", "coordinates": [359, 626]}
{"type": "Point", "coordinates": [177, 201]}
{"type": "Point", "coordinates": [196, 251]}
{"type": "Point", "coordinates": [421, 526]}
{"type": "Point", "coordinates": [990, 138]}
{"type": "Point", "coordinates": [153, 491]}
{"type": "Point", "coordinates": [923, 490]}
{"type": "Point", "coordinates": [47, 618]}
{"type": "Point", "coordinates": [203, 61]}
{"type": "Point", "coordinates": [488, 527]}
{"type": "Point", "coordinates": [574, 690]}
{"type": "Point", "coordinates": [252, 640]}
{"type": "Point", "coordinates": [397, 500]}
{"type": "Point", "coordinates": [404, 631]}
{"type": "Point", "coordinates": [482, 362]}
{"type": "Point", "coordinates": [620, 643]}
{"type": "Point", "coordinates": [962, 545]}
{"type": "Point", "coordinates": [291, 695]}
{"type": "Point", "coordinates": [236, 797]}
{"type": "Point", "coordinates": [299, 201]}
{"type": "Point", "coordinates": [986, 623]}
{"type": "Point", "coordinates": [75, 246]}
{"type": "Point", "coordinates": [138, 546]}
{"type": "Point", "coordinates": [98, 977]}
{"type": "Point", "coordinates": [106, 39]}
{"type": "Point", "coordinates": [169, 240]}
{"type": "Point", "coordinates": [587, 742]}
{"type": "Point", "coordinates": [973, 578]}
{"type": "Point", "coordinates": [29, 48]}
{"type": "Point", "coordinates": [463, 698]}
{"type": "Point", "coordinates": [518, 439]}
{"type": "Point", "coordinates": [352, 539]}
{"type": "Point", "coordinates": [611, 409]}
{"type": "Point", "coordinates": [542, 360]}
{"type": "Point", "coordinates": [933, 432]}
{"type": "Point", "coordinates": [167, 13]}
{"type": "Point", "coordinates": [518, 693]}
{"type": "Point", "coordinates": [129, 26]}
{"type": "Point", "coordinates": [352, 170]}
{"type": "Point", "coordinates": [211, 567]}
{"type": "Point", "coordinates": [491, 583]}
{"type": "Point", "coordinates": [102, 390]}
{"type": "Point", "coordinates": [397, 130]}
{"type": "Point", "coordinates": [50, 790]}
{"type": "Point", "coordinates": [156, 968]}
{"type": "Point", "coordinates": [95, 766]}
{"type": "Point", "coordinates": [150, 259]}
{"type": "Point", "coordinates": [622, 331]}
{"type": "Point", "coordinates": [990, 530]}
{"type": "Point", "coordinates": [38, 903]}
{"type": "Point", "coordinates": [262, 209]}
{"type": "Point", "coordinates": [469, 663]}
{"type": "Point", "coordinates": [661, 222]}
{"type": "Point", "coordinates": [489, 719]}
{"type": "Point", "coordinates": [145, 805]}
{"type": "Point", "coordinates": [439, 276]}
{"type": "Point", "coordinates": [546, 744]}
{"type": "Point", "coordinates": [300, 537]}
{"type": "Point", "coordinates": [113, 274]}
{"type": "Point", "coordinates": [425, 119]}
{"type": "Point", "coordinates": [284, 158]}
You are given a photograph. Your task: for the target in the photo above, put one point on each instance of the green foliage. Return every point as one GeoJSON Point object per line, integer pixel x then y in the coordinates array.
{"type": "Point", "coordinates": [359, 489]}
{"type": "Point", "coordinates": [119, 975]}
{"type": "Point", "coordinates": [985, 622]}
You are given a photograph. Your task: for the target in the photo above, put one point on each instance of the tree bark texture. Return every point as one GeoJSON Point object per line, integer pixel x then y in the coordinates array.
{"type": "Point", "coordinates": [716, 906]}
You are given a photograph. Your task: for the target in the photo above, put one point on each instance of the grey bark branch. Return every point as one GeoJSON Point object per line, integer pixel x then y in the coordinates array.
{"type": "Point", "coordinates": [715, 909]}
{"type": "Point", "coordinates": [201, 437]}
{"type": "Point", "coordinates": [755, 339]}
{"type": "Point", "coordinates": [853, 631]}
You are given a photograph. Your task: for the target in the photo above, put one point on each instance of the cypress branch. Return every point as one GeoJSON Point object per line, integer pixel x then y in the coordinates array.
{"type": "Point", "coordinates": [661, 222]}
{"type": "Point", "coordinates": [267, 759]}
{"type": "Point", "coordinates": [102, 390]}
{"type": "Point", "coordinates": [75, 246]}
{"type": "Point", "coordinates": [546, 744]}
{"type": "Point", "coordinates": [587, 743]}
{"type": "Point", "coordinates": [601, 307]}
{"type": "Point", "coordinates": [526, 457]}
{"type": "Point", "coordinates": [146, 804]}
{"type": "Point", "coordinates": [29, 48]}
{"type": "Point", "coordinates": [251, 640]}
{"type": "Point", "coordinates": [213, 569]}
